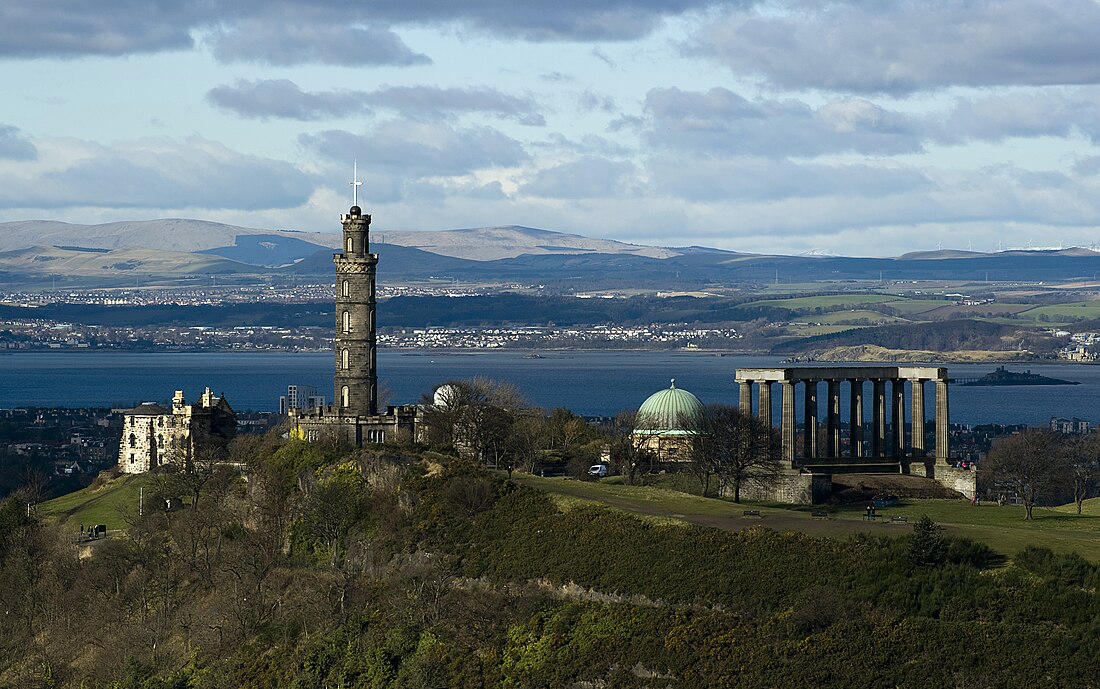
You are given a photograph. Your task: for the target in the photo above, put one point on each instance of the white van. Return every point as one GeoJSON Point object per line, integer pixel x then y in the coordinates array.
{"type": "Point", "coordinates": [598, 470]}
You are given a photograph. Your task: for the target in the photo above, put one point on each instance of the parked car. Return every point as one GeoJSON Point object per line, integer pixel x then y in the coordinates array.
{"type": "Point", "coordinates": [598, 470]}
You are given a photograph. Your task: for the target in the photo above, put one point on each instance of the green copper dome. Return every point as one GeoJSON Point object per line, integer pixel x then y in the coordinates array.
{"type": "Point", "coordinates": [668, 411]}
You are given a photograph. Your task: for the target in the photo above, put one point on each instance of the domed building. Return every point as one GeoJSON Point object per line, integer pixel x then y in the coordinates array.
{"type": "Point", "coordinates": [666, 422]}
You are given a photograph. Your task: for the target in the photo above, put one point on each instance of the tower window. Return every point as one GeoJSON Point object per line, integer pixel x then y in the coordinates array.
{"type": "Point", "coordinates": [347, 322]}
{"type": "Point", "coordinates": [344, 395]}
{"type": "Point", "coordinates": [344, 359]}
{"type": "Point", "coordinates": [350, 243]}
{"type": "Point", "coordinates": [346, 289]}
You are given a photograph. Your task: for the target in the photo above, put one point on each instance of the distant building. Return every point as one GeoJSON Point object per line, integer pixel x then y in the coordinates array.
{"type": "Point", "coordinates": [153, 435]}
{"type": "Point", "coordinates": [1074, 426]}
{"type": "Point", "coordinates": [354, 417]}
{"type": "Point", "coordinates": [300, 397]}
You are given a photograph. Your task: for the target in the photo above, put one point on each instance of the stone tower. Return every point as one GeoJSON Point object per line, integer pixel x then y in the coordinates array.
{"type": "Point", "coordinates": [356, 380]}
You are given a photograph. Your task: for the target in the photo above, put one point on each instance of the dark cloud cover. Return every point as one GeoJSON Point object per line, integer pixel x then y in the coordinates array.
{"type": "Point", "coordinates": [163, 173]}
{"type": "Point", "coordinates": [903, 47]}
{"type": "Point", "coordinates": [282, 98]}
{"type": "Point", "coordinates": [344, 32]}
{"type": "Point", "coordinates": [14, 145]}
{"type": "Point", "coordinates": [420, 149]}
{"type": "Point", "coordinates": [283, 44]}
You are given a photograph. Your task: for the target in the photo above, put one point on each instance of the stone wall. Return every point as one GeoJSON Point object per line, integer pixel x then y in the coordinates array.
{"type": "Point", "coordinates": [793, 487]}
{"type": "Point", "coordinates": [964, 481]}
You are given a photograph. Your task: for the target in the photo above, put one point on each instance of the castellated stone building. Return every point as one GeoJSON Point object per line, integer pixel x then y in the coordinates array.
{"type": "Point", "coordinates": [354, 418]}
{"type": "Point", "coordinates": [153, 436]}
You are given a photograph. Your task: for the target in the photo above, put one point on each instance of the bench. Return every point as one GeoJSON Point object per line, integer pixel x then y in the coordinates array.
{"type": "Point", "coordinates": [868, 517]}
{"type": "Point", "coordinates": [819, 514]}
{"type": "Point", "coordinates": [899, 520]}
{"type": "Point", "coordinates": [752, 513]}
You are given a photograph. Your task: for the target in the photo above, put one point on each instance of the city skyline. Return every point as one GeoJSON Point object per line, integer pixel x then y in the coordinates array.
{"type": "Point", "coordinates": [766, 127]}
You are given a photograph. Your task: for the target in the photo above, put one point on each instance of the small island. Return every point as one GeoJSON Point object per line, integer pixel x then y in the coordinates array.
{"type": "Point", "coordinates": [1002, 376]}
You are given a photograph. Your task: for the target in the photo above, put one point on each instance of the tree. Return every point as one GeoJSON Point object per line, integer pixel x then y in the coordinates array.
{"type": "Point", "coordinates": [475, 417]}
{"type": "Point", "coordinates": [734, 447]}
{"type": "Point", "coordinates": [1031, 463]}
{"type": "Point", "coordinates": [628, 450]}
{"type": "Point", "coordinates": [1083, 454]}
{"type": "Point", "coordinates": [927, 546]}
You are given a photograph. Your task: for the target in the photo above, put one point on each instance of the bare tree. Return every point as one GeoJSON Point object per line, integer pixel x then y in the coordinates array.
{"type": "Point", "coordinates": [629, 450]}
{"type": "Point", "coordinates": [1083, 455]}
{"type": "Point", "coordinates": [475, 417]}
{"type": "Point", "coordinates": [734, 447]}
{"type": "Point", "coordinates": [1031, 463]}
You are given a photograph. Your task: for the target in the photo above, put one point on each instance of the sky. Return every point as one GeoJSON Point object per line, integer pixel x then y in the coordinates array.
{"type": "Point", "coordinates": [862, 127]}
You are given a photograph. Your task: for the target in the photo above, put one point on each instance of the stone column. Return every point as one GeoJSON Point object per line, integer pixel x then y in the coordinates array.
{"type": "Point", "coordinates": [878, 418]}
{"type": "Point", "coordinates": [764, 403]}
{"type": "Point", "coordinates": [809, 415]}
{"type": "Point", "coordinates": [832, 423]}
{"type": "Point", "coordinates": [898, 387]}
{"type": "Point", "coordinates": [787, 428]}
{"type": "Point", "coordinates": [855, 417]}
{"type": "Point", "coordinates": [746, 398]}
{"type": "Point", "coordinates": [942, 451]}
{"type": "Point", "coordinates": [917, 435]}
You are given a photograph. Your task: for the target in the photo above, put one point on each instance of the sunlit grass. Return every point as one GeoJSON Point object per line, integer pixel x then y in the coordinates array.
{"type": "Point", "coordinates": [103, 505]}
{"type": "Point", "coordinates": [1001, 528]}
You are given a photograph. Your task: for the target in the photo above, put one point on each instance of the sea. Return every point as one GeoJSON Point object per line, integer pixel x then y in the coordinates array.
{"type": "Point", "coordinates": [597, 383]}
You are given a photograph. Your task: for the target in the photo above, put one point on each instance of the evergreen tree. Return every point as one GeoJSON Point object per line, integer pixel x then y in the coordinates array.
{"type": "Point", "coordinates": [927, 546]}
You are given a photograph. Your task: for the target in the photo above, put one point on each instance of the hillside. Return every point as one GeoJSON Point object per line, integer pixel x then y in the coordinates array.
{"type": "Point", "coordinates": [393, 568]}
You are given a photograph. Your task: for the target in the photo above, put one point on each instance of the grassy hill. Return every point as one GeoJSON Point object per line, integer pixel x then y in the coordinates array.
{"type": "Point", "coordinates": [1001, 528]}
{"type": "Point", "coordinates": [99, 504]}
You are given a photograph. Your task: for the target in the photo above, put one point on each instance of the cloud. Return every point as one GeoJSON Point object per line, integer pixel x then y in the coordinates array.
{"type": "Point", "coordinates": [267, 98]}
{"type": "Point", "coordinates": [431, 102]}
{"type": "Point", "coordinates": [291, 43]}
{"type": "Point", "coordinates": [756, 178]}
{"type": "Point", "coordinates": [588, 177]}
{"type": "Point", "coordinates": [153, 173]}
{"type": "Point", "coordinates": [720, 121]}
{"type": "Point", "coordinates": [1056, 112]}
{"type": "Point", "coordinates": [904, 47]}
{"type": "Point", "coordinates": [282, 98]}
{"type": "Point", "coordinates": [14, 145]}
{"type": "Point", "coordinates": [343, 32]}
{"type": "Point", "coordinates": [420, 149]}
{"type": "Point", "coordinates": [70, 28]}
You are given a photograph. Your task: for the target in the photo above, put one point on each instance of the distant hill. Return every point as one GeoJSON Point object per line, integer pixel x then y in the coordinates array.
{"type": "Point", "coordinates": [52, 260]}
{"type": "Point", "coordinates": [31, 250]}
{"type": "Point", "coordinates": [492, 243]}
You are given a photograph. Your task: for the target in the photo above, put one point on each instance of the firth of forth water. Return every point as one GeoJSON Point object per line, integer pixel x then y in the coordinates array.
{"type": "Point", "coordinates": [590, 383]}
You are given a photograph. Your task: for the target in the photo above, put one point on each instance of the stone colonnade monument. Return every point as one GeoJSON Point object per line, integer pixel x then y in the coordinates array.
{"type": "Point", "coordinates": [895, 440]}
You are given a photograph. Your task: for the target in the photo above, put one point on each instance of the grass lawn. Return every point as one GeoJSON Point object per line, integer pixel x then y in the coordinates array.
{"type": "Point", "coordinates": [1002, 528]}
{"type": "Point", "coordinates": [103, 505]}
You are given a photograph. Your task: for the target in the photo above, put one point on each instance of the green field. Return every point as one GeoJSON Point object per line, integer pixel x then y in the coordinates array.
{"type": "Point", "coordinates": [825, 301]}
{"type": "Point", "coordinates": [1082, 310]}
{"type": "Point", "coordinates": [104, 505]}
{"type": "Point", "coordinates": [1001, 528]}
{"type": "Point", "coordinates": [847, 317]}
